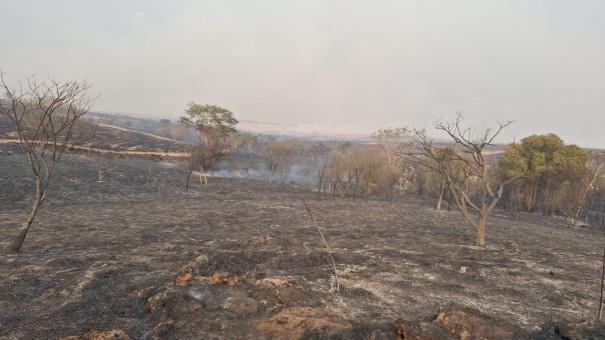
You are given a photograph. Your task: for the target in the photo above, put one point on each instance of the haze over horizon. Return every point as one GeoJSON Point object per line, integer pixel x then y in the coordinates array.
{"type": "Point", "coordinates": [347, 65]}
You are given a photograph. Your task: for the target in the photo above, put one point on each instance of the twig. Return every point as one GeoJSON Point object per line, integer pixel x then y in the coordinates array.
{"type": "Point", "coordinates": [603, 273]}
{"type": "Point", "coordinates": [602, 282]}
{"type": "Point", "coordinates": [326, 244]}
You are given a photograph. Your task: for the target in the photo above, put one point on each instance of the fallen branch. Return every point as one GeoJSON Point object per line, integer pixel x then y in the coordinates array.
{"type": "Point", "coordinates": [600, 314]}
{"type": "Point", "coordinates": [326, 244]}
{"type": "Point", "coordinates": [602, 286]}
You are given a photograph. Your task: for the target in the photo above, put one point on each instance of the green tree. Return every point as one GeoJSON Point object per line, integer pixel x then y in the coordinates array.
{"type": "Point", "coordinates": [214, 125]}
{"type": "Point", "coordinates": [557, 177]}
{"type": "Point", "coordinates": [164, 128]}
{"type": "Point", "coordinates": [210, 121]}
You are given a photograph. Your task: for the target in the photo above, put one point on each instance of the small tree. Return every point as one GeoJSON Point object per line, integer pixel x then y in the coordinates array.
{"type": "Point", "coordinates": [464, 165]}
{"type": "Point", "coordinates": [269, 154]}
{"type": "Point", "coordinates": [105, 163]}
{"type": "Point", "coordinates": [320, 155]}
{"type": "Point", "coordinates": [284, 154]}
{"type": "Point", "coordinates": [164, 128]}
{"type": "Point", "coordinates": [44, 114]}
{"type": "Point", "coordinates": [213, 124]}
{"type": "Point", "coordinates": [395, 144]}
{"type": "Point", "coordinates": [276, 155]}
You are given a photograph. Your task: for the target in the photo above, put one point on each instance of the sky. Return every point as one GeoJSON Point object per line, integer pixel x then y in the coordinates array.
{"type": "Point", "coordinates": [346, 65]}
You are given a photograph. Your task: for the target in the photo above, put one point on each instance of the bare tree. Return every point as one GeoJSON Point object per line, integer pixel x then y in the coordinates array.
{"type": "Point", "coordinates": [284, 154]}
{"type": "Point", "coordinates": [595, 164]}
{"type": "Point", "coordinates": [357, 167]}
{"type": "Point", "coordinates": [274, 154]}
{"type": "Point", "coordinates": [320, 154]}
{"type": "Point", "coordinates": [44, 114]}
{"type": "Point", "coordinates": [84, 131]}
{"type": "Point", "coordinates": [202, 159]}
{"type": "Point", "coordinates": [464, 165]}
{"type": "Point", "coordinates": [105, 163]}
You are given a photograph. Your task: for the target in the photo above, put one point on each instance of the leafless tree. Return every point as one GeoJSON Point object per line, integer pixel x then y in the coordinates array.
{"type": "Point", "coordinates": [44, 114]}
{"type": "Point", "coordinates": [84, 131]}
{"type": "Point", "coordinates": [284, 154]}
{"type": "Point", "coordinates": [596, 162]}
{"type": "Point", "coordinates": [464, 165]}
{"type": "Point", "coordinates": [320, 154]}
{"type": "Point", "coordinates": [203, 159]}
{"type": "Point", "coordinates": [105, 163]}
{"type": "Point", "coordinates": [270, 155]}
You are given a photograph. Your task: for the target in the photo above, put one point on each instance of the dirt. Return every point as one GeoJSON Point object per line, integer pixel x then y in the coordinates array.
{"type": "Point", "coordinates": [240, 258]}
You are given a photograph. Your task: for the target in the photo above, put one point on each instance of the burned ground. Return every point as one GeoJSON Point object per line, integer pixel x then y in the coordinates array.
{"type": "Point", "coordinates": [240, 258]}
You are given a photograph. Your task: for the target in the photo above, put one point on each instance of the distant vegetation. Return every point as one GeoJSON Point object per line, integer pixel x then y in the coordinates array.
{"type": "Point", "coordinates": [540, 174]}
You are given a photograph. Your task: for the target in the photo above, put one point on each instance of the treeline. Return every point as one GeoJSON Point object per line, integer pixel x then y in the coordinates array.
{"type": "Point", "coordinates": [556, 179]}
{"type": "Point", "coordinates": [546, 175]}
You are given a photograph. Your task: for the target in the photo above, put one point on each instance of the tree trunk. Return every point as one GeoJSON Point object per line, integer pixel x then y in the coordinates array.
{"type": "Point", "coordinates": [203, 177]}
{"type": "Point", "coordinates": [187, 180]}
{"type": "Point", "coordinates": [20, 238]}
{"type": "Point", "coordinates": [480, 232]}
{"type": "Point", "coordinates": [438, 203]}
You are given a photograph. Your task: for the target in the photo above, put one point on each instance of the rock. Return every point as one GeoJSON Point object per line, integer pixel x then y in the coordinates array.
{"type": "Point", "coordinates": [175, 304]}
{"type": "Point", "coordinates": [296, 322]}
{"type": "Point", "coordinates": [421, 331]}
{"type": "Point", "coordinates": [512, 246]}
{"type": "Point", "coordinates": [220, 277]}
{"type": "Point", "coordinates": [468, 323]}
{"type": "Point", "coordinates": [141, 292]}
{"type": "Point", "coordinates": [581, 331]}
{"type": "Point", "coordinates": [115, 334]}
{"type": "Point", "coordinates": [241, 305]}
{"type": "Point", "coordinates": [184, 276]}
{"type": "Point", "coordinates": [463, 324]}
{"type": "Point", "coordinates": [276, 282]}
{"type": "Point", "coordinates": [187, 273]}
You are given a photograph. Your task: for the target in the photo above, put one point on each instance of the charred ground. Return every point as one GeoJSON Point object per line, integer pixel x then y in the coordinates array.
{"type": "Point", "coordinates": [237, 257]}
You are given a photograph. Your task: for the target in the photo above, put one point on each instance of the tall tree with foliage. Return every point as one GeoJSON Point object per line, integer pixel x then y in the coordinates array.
{"type": "Point", "coordinates": [212, 122]}
{"type": "Point", "coordinates": [214, 125]}
{"type": "Point", "coordinates": [44, 114]}
{"type": "Point", "coordinates": [557, 176]}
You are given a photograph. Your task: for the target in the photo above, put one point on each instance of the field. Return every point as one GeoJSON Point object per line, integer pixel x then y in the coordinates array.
{"type": "Point", "coordinates": [240, 258]}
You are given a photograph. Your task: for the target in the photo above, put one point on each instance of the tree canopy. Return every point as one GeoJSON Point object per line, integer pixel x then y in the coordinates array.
{"type": "Point", "coordinates": [209, 120]}
{"type": "Point", "coordinates": [554, 172]}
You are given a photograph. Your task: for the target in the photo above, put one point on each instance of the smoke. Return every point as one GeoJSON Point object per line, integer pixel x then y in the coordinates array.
{"type": "Point", "coordinates": [296, 173]}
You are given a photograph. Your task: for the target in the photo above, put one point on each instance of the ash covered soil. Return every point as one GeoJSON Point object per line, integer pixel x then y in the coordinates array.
{"type": "Point", "coordinates": [240, 258]}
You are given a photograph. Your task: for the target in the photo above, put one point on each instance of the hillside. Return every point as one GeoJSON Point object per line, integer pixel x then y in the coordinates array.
{"type": "Point", "coordinates": [240, 258]}
{"type": "Point", "coordinates": [111, 138]}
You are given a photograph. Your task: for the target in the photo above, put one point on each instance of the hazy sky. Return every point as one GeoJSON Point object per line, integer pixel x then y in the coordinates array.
{"type": "Point", "coordinates": [357, 64]}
